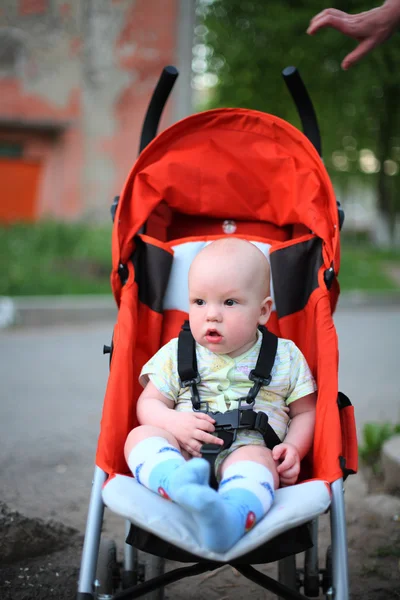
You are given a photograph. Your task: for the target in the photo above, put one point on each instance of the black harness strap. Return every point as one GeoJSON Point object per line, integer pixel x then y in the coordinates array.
{"type": "Point", "coordinates": [259, 422]}
{"type": "Point", "coordinates": [261, 374]}
{"type": "Point", "coordinates": [187, 363]}
{"type": "Point", "coordinates": [228, 423]}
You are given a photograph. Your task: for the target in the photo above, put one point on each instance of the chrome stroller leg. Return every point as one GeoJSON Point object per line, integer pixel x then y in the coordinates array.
{"type": "Point", "coordinates": [131, 562]}
{"type": "Point", "coordinates": [339, 543]}
{"type": "Point", "coordinates": [140, 567]}
{"type": "Point", "coordinates": [92, 537]}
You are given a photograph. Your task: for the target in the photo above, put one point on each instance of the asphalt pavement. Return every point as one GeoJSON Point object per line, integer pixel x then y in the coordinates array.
{"type": "Point", "coordinates": [52, 387]}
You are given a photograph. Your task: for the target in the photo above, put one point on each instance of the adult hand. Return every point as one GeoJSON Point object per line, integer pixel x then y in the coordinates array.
{"type": "Point", "coordinates": [289, 467]}
{"type": "Point", "coordinates": [192, 430]}
{"type": "Point", "coordinates": [369, 28]}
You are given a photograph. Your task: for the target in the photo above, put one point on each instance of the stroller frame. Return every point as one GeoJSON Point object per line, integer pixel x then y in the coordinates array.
{"type": "Point", "coordinates": [334, 579]}
{"type": "Point", "coordinates": [335, 587]}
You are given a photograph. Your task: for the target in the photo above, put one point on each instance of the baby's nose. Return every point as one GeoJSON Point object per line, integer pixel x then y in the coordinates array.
{"type": "Point", "coordinates": [212, 318]}
{"type": "Point", "coordinates": [213, 314]}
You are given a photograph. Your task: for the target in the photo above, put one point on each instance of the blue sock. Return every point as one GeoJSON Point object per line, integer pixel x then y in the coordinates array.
{"type": "Point", "coordinates": [245, 495]}
{"type": "Point", "coordinates": [161, 467]}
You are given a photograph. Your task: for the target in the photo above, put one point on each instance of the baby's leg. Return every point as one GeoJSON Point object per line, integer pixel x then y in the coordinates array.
{"type": "Point", "coordinates": [254, 453]}
{"type": "Point", "coordinates": [244, 496]}
{"type": "Point", "coordinates": [156, 461]}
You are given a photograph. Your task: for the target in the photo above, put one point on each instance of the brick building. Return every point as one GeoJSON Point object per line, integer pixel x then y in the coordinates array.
{"type": "Point", "coordinates": [75, 80]}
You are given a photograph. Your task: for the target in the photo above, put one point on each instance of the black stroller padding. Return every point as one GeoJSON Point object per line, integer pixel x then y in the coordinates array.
{"type": "Point", "coordinates": [288, 542]}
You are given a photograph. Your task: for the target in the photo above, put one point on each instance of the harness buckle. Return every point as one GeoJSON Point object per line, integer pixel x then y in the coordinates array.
{"type": "Point", "coordinates": [258, 379]}
{"type": "Point", "coordinates": [211, 449]}
{"type": "Point", "coordinates": [190, 382]}
{"type": "Point", "coordinates": [228, 420]}
{"type": "Point", "coordinates": [245, 405]}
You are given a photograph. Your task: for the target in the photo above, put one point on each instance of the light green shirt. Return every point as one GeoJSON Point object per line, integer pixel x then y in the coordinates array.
{"type": "Point", "coordinates": [224, 380]}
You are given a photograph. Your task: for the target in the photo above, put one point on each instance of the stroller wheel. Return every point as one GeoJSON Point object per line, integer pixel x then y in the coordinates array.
{"type": "Point", "coordinates": [107, 571]}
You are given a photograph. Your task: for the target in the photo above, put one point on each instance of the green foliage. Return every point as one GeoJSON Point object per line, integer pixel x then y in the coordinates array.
{"type": "Point", "coordinates": [249, 43]}
{"type": "Point", "coordinates": [387, 551]}
{"type": "Point", "coordinates": [364, 268]}
{"type": "Point", "coordinates": [374, 436]}
{"type": "Point", "coordinates": [74, 258]}
{"type": "Point", "coordinates": [54, 258]}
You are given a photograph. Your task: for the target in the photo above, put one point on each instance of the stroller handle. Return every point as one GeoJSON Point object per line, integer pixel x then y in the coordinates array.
{"type": "Point", "coordinates": [156, 105]}
{"type": "Point", "coordinates": [304, 106]}
{"type": "Point", "coordinates": [153, 115]}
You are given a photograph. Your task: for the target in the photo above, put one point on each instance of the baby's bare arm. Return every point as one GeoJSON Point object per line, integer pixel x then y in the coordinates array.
{"type": "Point", "coordinates": [301, 429]}
{"type": "Point", "coordinates": [153, 408]}
{"type": "Point", "coordinates": [298, 440]}
{"type": "Point", "coordinates": [190, 429]}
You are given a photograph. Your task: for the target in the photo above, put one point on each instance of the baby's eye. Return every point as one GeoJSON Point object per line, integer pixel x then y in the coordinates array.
{"type": "Point", "coordinates": [230, 302]}
{"type": "Point", "coordinates": [199, 302]}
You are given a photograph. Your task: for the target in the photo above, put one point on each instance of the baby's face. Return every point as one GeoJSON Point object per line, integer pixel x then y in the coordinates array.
{"type": "Point", "coordinates": [226, 307]}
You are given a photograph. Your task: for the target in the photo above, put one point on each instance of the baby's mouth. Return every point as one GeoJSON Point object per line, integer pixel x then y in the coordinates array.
{"type": "Point", "coordinates": [212, 335]}
{"type": "Point", "coordinates": [212, 332]}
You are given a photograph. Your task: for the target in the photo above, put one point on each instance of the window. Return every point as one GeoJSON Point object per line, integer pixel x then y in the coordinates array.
{"type": "Point", "coordinates": [11, 150]}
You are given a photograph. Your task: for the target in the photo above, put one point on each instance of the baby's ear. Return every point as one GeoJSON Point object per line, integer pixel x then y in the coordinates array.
{"type": "Point", "coordinates": [266, 309]}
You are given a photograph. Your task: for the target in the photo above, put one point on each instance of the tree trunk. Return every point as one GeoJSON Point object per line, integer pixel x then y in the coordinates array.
{"type": "Point", "coordinates": [386, 189]}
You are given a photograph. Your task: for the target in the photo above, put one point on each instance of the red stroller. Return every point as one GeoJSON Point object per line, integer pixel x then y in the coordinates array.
{"type": "Point", "coordinates": [252, 175]}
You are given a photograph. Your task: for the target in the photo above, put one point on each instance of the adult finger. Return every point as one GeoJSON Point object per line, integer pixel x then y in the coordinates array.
{"type": "Point", "coordinates": [327, 12]}
{"type": "Point", "coordinates": [336, 19]}
{"type": "Point", "coordinates": [362, 49]}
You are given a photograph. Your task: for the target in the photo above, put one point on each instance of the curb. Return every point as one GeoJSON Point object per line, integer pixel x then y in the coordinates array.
{"type": "Point", "coordinates": [42, 311]}
{"type": "Point", "coordinates": [391, 465]}
{"type": "Point", "coordinates": [368, 299]}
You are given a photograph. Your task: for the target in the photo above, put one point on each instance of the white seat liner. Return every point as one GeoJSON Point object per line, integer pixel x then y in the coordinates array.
{"type": "Point", "coordinates": [176, 295]}
{"type": "Point", "coordinates": [293, 506]}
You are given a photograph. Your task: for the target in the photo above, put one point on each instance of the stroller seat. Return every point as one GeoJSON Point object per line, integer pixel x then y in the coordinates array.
{"type": "Point", "coordinates": [122, 494]}
{"type": "Point", "coordinates": [293, 506]}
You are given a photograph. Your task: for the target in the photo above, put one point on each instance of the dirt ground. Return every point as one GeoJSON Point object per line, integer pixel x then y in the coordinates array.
{"type": "Point", "coordinates": [40, 560]}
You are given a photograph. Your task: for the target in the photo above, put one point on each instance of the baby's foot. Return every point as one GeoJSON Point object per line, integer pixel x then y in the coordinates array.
{"type": "Point", "coordinates": [194, 471]}
{"type": "Point", "coordinates": [221, 522]}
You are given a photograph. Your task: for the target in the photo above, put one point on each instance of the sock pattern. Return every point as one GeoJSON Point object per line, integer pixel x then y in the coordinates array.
{"type": "Point", "coordinates": [245, 495]}
{"type": "Point", "coordinates": [250, 487]}
{"type": "Point", "coordinates": [153, 461]}
{"type": "Point", "coordinates": [160, 467]}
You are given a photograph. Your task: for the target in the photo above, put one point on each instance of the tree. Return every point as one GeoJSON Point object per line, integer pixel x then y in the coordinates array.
{"type": "Point", "coordinates": [247, 43]}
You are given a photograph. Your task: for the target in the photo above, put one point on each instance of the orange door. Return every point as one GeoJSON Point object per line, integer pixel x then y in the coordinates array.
{"type": "Point", "coordinates": [18, 190]}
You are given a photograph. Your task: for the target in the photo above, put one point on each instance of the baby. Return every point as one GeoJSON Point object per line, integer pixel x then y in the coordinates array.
{"type": "Point", "coordinates": [229, 287]}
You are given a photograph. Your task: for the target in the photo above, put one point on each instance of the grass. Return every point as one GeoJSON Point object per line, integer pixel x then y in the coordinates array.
{"type": "Point", "coordinates": [50, 258]}
{"type": "Point", "coordinates": [374, 435]}
{"type": "Point", "coordinates": [385, 551]}
{"type": "Point", "coordinates": [367, 269]}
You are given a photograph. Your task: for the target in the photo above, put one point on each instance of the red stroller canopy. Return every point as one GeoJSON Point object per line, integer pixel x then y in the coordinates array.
{"type": "Point", "coordinates": [229, 163]}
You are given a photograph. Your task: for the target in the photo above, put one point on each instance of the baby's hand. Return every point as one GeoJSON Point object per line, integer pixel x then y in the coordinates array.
{"type": "Point", "coordinates": [192, 430]}
{"type": "Point", "coordinates": [289, 459]}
